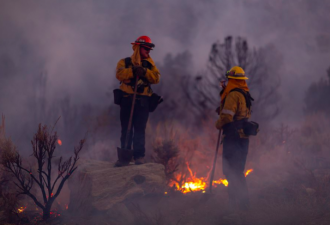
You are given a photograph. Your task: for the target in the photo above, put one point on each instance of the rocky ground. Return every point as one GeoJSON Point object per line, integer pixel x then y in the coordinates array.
{"type": "Point", "coordinates": [278, 196]}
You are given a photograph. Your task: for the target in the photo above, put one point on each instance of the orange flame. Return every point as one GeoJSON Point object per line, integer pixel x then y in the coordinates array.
{"type": "Point", "coordinates": [59, 142]}
{"type": "Point", "coordinates": [191, 184]}
{"type": "Point", "coordinates": [194, 183]}
{"type": "Point", "coordinates": [21, 209]}
{"type": "Point", "coordinates": [248, 171]}
{"type": "Point", "coordinates": [221, 181]}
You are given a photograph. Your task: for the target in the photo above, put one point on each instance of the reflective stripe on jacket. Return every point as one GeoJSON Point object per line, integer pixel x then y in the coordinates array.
{"type": "Point", "coordinates": [233, 109]}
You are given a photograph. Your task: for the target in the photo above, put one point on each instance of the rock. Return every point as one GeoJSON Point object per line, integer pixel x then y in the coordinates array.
{"type": "Point", "coordinates": [98, 185]}
{"type": "Point", "coordinates": [121, 215]}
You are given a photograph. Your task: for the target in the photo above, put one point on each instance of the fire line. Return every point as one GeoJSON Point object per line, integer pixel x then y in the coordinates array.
{"type": "Point", "coordinates": [194, 183]}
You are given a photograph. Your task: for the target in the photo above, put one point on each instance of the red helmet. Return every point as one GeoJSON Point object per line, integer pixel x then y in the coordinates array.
{"type": "Point", "coordinates": [144, 41]}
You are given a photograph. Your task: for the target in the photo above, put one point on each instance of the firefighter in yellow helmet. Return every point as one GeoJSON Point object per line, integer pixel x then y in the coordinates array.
{"type": "Point", "coordinates": [235, 109]}
{"type": "Point", "coordinates": [140, 65]}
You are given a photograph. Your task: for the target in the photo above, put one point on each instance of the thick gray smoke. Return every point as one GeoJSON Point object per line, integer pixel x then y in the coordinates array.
{"type": "Point", "coordinates": [75, 45]}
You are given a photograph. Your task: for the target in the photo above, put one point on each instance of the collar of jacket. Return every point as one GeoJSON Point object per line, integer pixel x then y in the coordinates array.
{"type": "Point", "coordinates": [232, 84]}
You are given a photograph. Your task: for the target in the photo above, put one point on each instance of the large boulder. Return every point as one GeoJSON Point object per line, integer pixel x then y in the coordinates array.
{"type": "Point", "coordinates": [99, 185]}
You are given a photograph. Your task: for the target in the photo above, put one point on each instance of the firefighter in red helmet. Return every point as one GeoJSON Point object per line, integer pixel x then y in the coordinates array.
{"type": "Point", "coordinates": [140, 65]}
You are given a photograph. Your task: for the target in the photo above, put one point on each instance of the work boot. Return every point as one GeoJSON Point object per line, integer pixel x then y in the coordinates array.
{"type": "Point", "coordinates": [139, 161]}
{"type": "Point", "coordinates": [124, 157]}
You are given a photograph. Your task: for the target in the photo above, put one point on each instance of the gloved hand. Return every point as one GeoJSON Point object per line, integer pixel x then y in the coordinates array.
{"type": "Point", "coordinates": [139, 71]}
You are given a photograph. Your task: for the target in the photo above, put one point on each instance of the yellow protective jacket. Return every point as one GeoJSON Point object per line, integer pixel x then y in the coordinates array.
{"type": "Point", "coordinates": [126, 74]}
{"type": "Point", "coordinates": [233, 109]}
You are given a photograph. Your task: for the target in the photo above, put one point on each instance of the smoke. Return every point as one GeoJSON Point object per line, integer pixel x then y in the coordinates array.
{"type": "Point", "coordinates": [75, 45]}
{"type": "Point", "coordinates": [58, 58]}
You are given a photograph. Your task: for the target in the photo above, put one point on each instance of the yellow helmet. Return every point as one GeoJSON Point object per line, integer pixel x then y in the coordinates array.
{"type": "Point", "coordinates": [236, 73]}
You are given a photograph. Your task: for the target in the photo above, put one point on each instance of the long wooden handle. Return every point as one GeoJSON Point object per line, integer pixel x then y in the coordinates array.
{"type": "Point", "coordinates": [214, 161]}
{"type": "Point", "coordinates": [131, 115]}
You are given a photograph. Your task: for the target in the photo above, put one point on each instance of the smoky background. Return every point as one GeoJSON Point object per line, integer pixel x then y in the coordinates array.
{"type": "Point", "coordinates": [58, 59]}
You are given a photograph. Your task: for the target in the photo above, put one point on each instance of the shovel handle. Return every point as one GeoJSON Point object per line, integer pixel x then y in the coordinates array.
{"type": "Point", "coordinates": [131, 115]}
{"type": "Point", "coordinates": [214, 161]}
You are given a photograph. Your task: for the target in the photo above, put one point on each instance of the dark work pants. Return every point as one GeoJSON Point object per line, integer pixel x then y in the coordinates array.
{"type": "Point", "coordinates": [235, 150]}
{"type": "Point", "coordinates": [139, 123]}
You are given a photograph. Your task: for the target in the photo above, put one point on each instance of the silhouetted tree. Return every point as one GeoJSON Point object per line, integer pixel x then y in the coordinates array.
{"type": "Point", "coordinates": [260, 65]}
{"type": "Point", "coordinates": [316, 97]}
{"type": "Point", "coordinates": [167, 154]}
{"type": "Point", "coordinates": [8, 198]}
{"type": "Point", "coordinates": [43, 145]}
{"type": "Point", "coordinates": [173, 70]}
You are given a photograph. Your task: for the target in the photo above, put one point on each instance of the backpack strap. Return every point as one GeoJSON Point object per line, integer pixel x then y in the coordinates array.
{"type": "Point", "coordinates": [145, 64]}
{"type": "Point", "coordinates": [148, 65]}
{"type": "Point", "coordinates": [128, 62]}
{"type": "Point", "coordinates": [247, 96]}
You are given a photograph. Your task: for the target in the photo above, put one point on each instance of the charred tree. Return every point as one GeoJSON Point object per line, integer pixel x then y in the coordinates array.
{"type": "Point", "coordinates": [167, 154]}
{"type": "Point", "coordinates": [8, 200]}
{"type": "Point", "coordinates": [43, 144]}
{"type": "Point", "coordinates": [202, 91]}
{"type": "Point", "coordinates": [315, 96]}
{"type": "Point", "coordinates": [175, 69]}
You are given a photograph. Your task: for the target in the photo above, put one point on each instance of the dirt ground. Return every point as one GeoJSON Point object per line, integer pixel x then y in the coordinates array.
{"type": "Point", "coordinates": [277, 197]}
{"type": "Point", "coordinates": [289, 185]}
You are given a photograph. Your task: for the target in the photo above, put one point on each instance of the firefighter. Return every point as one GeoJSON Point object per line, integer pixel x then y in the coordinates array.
{"type": "Point", "coordinates": [234, 111]}
{"type": "Point", "coordinates": [139, 64]}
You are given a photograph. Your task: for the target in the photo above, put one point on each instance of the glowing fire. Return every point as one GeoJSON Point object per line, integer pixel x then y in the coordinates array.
{"type": "Point", "coordinates": [248, 171]}
{"type": "Point", "coordinates": [197, 185]}
{"type": "Point", "coordinates": [59, 142]}
{"type": "Point", "coordinates": [221, 181]}
{"type": "Point", "coordinates": [21, 209]}
{"type": "Point", "coordinates": [194, 183]}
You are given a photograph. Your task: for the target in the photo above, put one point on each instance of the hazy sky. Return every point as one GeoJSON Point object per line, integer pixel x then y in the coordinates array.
{"type": "Point", "coordinates": [78, 43]}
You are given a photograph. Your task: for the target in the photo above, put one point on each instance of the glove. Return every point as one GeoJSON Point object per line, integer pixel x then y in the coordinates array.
{"type": "Point", "coordinates": [139, 71]}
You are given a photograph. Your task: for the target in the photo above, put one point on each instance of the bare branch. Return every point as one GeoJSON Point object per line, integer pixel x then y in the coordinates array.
{"type": "Point", "coordinates": [204, 96]}
{"type": "Point", "coordinates": [43, 148]}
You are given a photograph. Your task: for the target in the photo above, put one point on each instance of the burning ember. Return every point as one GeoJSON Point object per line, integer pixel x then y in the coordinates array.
{"type": "Point", "coordinates": [193, 183]}
{"type": "Point", "coordinates": [221, 181]}
{"type": "Point", "coordinates": [59, 142]}
{"type": "Point", "coordinates": [21, 209]}
{"type": "Point", "coordinates": [248, 171]}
